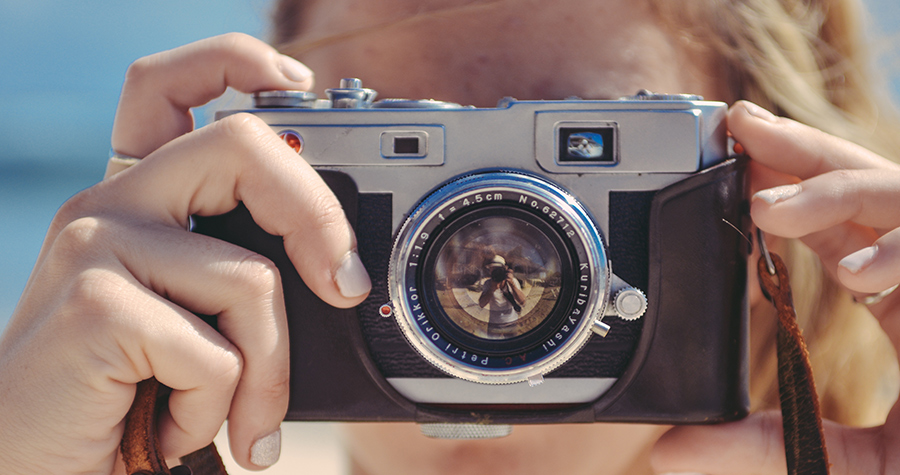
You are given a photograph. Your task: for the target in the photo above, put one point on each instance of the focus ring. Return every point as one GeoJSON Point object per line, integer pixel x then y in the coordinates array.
{"type": "Point", "coordinates": [501, 189]}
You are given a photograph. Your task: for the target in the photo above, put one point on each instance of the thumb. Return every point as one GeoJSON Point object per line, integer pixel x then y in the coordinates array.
{"type": "Point", "coordinates": [755, 446]}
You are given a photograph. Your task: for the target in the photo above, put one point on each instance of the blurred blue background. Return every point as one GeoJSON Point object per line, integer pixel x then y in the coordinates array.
{"type": "Point", "coordinates": [61, 69]}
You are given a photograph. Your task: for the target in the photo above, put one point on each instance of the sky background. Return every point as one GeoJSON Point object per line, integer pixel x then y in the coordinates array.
{"type": "Point", "coordinates": [63, 63]}
{"type": "Point", "coordinates": [61, 70]}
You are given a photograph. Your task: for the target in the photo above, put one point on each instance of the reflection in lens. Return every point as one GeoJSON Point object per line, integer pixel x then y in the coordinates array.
{"type": "Point", "coordinates": [498, 277]}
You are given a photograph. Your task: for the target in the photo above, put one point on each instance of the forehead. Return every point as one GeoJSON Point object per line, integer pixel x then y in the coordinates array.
{"type": "Point", "coordinates": [477, 52]}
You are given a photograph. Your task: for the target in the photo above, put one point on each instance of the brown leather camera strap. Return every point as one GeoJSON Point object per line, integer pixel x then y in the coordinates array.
{"type": "Point", "coordinates": [804, 439]}
{"type": "Point", "coordinates": [140, 444]}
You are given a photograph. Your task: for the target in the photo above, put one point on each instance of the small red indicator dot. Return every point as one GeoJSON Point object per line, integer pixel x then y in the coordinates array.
{"type": "Point", "coordinates": [386, 310]}
{"type": "Point", "coordinates": [293, 140]}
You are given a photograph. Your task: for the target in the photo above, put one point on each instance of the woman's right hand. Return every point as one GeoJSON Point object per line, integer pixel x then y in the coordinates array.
{"type": "Point", "coordinates": [112, 297]}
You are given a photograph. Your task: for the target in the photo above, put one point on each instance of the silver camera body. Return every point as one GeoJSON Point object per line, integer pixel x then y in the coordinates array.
{"type": "Point", "coordinates": [568, 197]}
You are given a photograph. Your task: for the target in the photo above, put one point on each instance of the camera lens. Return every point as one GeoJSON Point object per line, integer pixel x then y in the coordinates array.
{"type": "Point", "coordinates": [498, 274]}
{"type": "Point", "coordinates": [498, 277]}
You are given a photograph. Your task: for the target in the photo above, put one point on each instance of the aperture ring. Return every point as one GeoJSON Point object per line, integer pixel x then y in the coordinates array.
{"type": "Point", "coordinates": [502, 189]}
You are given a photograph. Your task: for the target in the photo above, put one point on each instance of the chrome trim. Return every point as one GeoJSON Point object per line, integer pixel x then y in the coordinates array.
{"type": "Point", "coordinates": [461, 431]}
{"type": "Point", "coordinates": [284, 99]}
{"type": "Point", "coordinates": [455, 391]}
{"type": "Point", "coordinates": [500, 181]}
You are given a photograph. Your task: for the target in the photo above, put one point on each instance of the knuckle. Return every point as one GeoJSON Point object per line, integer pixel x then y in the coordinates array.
{"type": "Point", "coordinates": [140, 69]}
{"type": "Point", "coordinates": [847, 184]}
{"type": "Point", "coordinates": [275, 386]}
{"type": "Point", "coordinates": [844, 175]}
{"type": "Point", "coordinates": [229, 370]}
{"type": "Point", "coordinates": [79, 237]}
{"type": "Point", "coordinates": [75, 207]}
{"type": "Point", "coordinates": [243, 55]}
{"type": "Point", "coordinates": [255, 145]}
{"type": "Point", "coordinates": [330, 214]}
{"type": "Point", "coordinates": [95, 299]}
{"type": "Point", "coordinates": [327, 210]}
{"type": "Point", "coordinates": [236, 41]}
{"type": "Point", "coordinates": [247, 132]}
{"type": "Point", "coordinates": [256, 275]}
{"type": "Point", "coordinates": [246, 47]}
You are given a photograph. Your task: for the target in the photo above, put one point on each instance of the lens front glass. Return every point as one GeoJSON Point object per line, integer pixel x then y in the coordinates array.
{"type": "Point", "coordinates": [497, 277]}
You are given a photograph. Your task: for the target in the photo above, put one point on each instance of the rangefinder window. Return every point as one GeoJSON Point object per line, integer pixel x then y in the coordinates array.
{"type": "Point", "coordinates": [586, 145]}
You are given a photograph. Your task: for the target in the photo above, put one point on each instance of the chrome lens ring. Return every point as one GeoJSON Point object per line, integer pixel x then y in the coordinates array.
{"type": "Point", "coordinates": [573, 317]}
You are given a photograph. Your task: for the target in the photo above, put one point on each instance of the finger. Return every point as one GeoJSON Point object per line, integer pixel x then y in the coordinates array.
{"type": "Point", "coordinates": [793, 148]}
{"type": "Point", "coordinates": [763, 177]}
{"type": "Point", "coordinates": [160, 89]}
{"type": "Point", "coordinates": [207, 172]}
{"type": "Point", "coordinates": [244, 290]}
{"type": "Point", "coordinates": [866, 197]}
{"type": "Point", "coordinates": [207, 276]}
{"type": "Point", "coordinates": [240, 159]}
{"type": "Point", "coordinates": [756, 446]}
{"type": "Point", "coordinates": [875, 268]}
{"type": "Point", "coordinates": [200, 365]}
{"type": "Point", "coordinates": [836, 243]}
{"type": "Point", "coordinates": [134, 334]}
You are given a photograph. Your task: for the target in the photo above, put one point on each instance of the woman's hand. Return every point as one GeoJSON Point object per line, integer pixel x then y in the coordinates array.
{"type": "Point", "coordinates": [843, 201]}
{"type": "Point", "coordinates": [112, 298]}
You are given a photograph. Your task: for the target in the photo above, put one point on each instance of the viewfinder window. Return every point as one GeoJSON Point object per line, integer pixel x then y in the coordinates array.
{"type": "Point", "coordinates": [406, 145]}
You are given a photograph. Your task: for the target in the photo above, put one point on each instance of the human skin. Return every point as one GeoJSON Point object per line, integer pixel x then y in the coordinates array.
{"type": "Point", "coordinates": [110, 299]}
{"type": "Point", "coordinates": [524, 49]}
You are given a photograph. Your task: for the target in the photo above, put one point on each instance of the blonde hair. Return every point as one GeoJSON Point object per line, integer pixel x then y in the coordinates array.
{"type": "Point", "coordinates": [804, 59]}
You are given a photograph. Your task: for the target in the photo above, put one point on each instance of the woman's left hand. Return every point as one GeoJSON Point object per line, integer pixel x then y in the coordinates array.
{"type": "Point", "coordinates": [843, 201]}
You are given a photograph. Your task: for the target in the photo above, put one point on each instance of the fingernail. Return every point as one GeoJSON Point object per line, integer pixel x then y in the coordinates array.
{"type": "Point", "coordinates": [266, 450]}
{"type": "Point", "coordinates": [759, 112]}
{"type": "Point", "coordinates": [351, 277]}
{"type": "Point", "coordinates": [779, 193]}
{"type": "Point", "coordinates": [859, 260]}
{"type": "Point", "coordinates": [294, 70]}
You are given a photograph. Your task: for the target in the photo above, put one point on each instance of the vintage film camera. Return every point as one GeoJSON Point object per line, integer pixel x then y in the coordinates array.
{"type": "Point", "coordinates": [622, 293]}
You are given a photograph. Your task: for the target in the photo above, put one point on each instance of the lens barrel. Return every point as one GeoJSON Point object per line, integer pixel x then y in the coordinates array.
{"type": "Point", "coordinates": [497, 277]}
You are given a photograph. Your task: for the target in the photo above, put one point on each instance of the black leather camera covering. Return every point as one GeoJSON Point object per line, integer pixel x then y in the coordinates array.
{"type": "Point", "coordinates": [684, 361]}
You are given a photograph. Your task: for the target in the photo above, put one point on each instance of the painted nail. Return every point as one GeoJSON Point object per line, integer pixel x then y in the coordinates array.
{"type": "Point", "coordinates": [779, 193]}
{"type": "Point", "coordinates": [266, 450]}
{"type": "Point", "coordinates": [351, 277]}
{"type": "Point", "coordinates": [294, 70]}
{"type": "Point", "coordinates": [859, 260]}
{"type": "Point", "coordinates": [758, 112]}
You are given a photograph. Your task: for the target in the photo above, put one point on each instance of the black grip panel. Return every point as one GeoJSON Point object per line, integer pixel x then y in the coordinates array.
{"type": "Point", "coordinates": [691, 364]}
{"type": "Point", "coordinates": [332, 375]}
